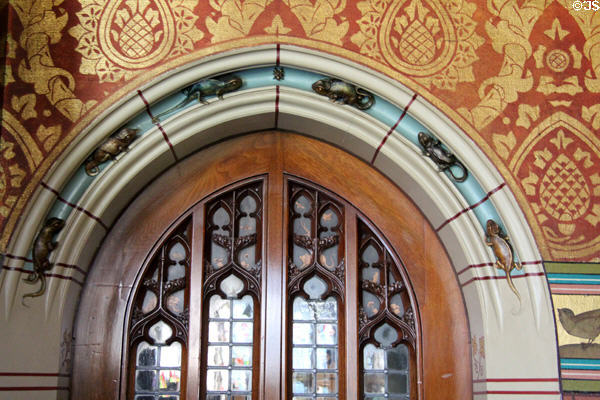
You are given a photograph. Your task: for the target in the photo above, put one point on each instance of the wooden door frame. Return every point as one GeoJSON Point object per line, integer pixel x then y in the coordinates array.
{"type": "Point", "coordinates": [152, 213]}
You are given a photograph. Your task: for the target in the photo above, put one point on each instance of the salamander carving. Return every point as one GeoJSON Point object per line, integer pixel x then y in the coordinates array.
{"type": "Point", "coordinates": [433, 149]}
{"type": "Point", "coordinates": [109, 149]}
{"type": "Point", "coordinates": [199, 90]}
{"type": "Point", "coordinates": [42, 247]}
{"type": "Point", "coordinates": [498, 241]}
{"type": "Point", "coordinates": [345, 93]}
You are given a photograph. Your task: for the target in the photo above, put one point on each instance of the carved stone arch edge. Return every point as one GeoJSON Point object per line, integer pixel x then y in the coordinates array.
{"type": "Point", "coordinates": [399, 160]}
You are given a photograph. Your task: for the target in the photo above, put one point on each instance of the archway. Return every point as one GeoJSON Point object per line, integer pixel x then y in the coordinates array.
{"type": "Point", "coordinates": [496, 321]}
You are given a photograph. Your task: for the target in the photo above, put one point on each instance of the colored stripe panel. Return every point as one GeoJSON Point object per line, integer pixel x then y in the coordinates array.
{"type": "Point", "coordinates": [572, 268]}
{"type": "Point", "coordinates": [48, 275]}
{"type": "Point", "coordinates": [580, 363]}
{"type": "Point", "coordinates": [558, 288]}
{"type": "Point", "coordinates": [487, 278]}
{"type": "Point", "coordinates": [582, 279]}
{"type": "Point", "coordinates": [579, 374]}
{"type": "Point", "coordinates": [75, 206]}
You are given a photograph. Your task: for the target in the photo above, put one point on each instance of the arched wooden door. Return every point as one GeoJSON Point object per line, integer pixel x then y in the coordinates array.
{"type": "Point", "coordinates": [342, 289]}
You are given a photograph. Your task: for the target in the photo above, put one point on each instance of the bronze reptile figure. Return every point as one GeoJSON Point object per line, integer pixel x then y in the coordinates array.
{"type": "Point", "coordinates": [498, 241]}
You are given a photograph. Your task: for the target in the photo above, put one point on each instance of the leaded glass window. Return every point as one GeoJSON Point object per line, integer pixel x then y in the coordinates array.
{"type": "Point", "coordinates": [386, 322]}
{"type": "Point", "coordinates": [159, 322]}
{"type": "Point", "coordinates": [316, 238]}
{"type": "Point", "coordinates": [315, 286]}
{"type": "Point", "coordinates": [232, 283]}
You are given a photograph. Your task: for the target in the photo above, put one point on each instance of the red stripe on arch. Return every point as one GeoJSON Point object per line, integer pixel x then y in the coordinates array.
{"type": "Point", "coordinates": [480, 202]}
{"type": "Point", "coordinates": [72, 205]}
{"type": "Point", "coordinates": [393, 128]}
{"type": "Point", "coordinates": [159, 126]}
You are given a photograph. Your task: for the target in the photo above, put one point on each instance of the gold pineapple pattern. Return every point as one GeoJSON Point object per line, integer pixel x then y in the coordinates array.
{"type": "Point", "coordinates": [417, 30]}
{"type": "Point", "coordinates": [136, 38]}
{"type": "Point", "coordinates": [564, 193]}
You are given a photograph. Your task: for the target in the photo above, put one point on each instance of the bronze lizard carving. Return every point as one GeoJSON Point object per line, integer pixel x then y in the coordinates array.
{"type": "Point", "coordinates": [206, 87]}
{"type": "Point", "coordinates": [503, 252]}
{"type": "Point", "coordinates": [42, 247]}
{"type": "Point", "coordinates": [433, 149]}
{"type": "Point", "coordinates": [342, 92]}
{"type": "Point", "coordinates": [109, 149]}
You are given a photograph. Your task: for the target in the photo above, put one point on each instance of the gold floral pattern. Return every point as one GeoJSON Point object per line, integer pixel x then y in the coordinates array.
{"type": "Point", "coordinates": [318, 20]}
{"type": "Point", "coordinates": [561, 180]}
{"type": "Point", "coordinates": [499, 70]}
{"type": "Point", "coordinates": [236, 20]}
{"type": "Point", "coordinates": [434, 42]}
{"type": "Point", "coordinates": [119, 38]}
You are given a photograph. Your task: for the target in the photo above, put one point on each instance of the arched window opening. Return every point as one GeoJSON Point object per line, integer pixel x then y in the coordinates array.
{"type": "Point", "coordinates": [158, 328]}
{"type": "Point", "coordinates": [387, 330]}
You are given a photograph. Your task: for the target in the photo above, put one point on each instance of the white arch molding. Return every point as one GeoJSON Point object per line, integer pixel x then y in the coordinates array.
{"type": "Point", "coordinates": [514, 344]}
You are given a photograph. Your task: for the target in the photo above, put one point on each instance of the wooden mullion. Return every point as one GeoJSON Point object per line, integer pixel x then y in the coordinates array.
{"type": "Point", "coordinates": [352, 245]}
{"type": "Point", "coordinates": [273, 372]}
{"type": "Point", "coordinates": [195, 305]}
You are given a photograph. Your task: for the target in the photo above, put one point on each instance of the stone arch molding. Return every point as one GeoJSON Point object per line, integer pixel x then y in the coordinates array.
{"type": "Point", "coordinates": [512, 341]}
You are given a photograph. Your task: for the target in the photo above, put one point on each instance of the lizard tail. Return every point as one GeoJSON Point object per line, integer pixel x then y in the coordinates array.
{"type": "Point", "coordinates": [362, 94]}
{"type": "Point", "coordinates": [41, 291]}
{"type": "Point", "coordinates": [464, 173]}
{"type": "Point", "coordinates": [91, 168]}
{"type": "Point", "coordinates": [512, 286]}
{"type": "Point", "coordinates": [516, 292]}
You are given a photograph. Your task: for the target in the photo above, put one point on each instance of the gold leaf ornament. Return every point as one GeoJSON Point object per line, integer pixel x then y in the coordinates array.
{"type": "Point", "coordinates": [277, 26]}
{"type": "Point", "coordinates": [118, 38]}
{"type": "Point", "coordinates": [434, 42]}
{"type": "Point", "coordinates": [318, 20]}
{"type": "Point", "coordinates": [25, 105]}
{"type": "Point", "coordinates": [236, 20]}
{"type": "Point", "coordinates": [504, 144]}
{"type": "Point", "coordinates": [42, 27]}
{"type": "Point", "coordinates": [592, 115]}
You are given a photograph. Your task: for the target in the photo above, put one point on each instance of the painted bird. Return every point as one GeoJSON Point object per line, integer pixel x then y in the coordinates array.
{"type": "Point", "coordinates": [585, 325]}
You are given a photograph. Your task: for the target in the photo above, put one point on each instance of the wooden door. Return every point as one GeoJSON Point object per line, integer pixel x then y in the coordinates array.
{"type": "Point", "coordinates": [273, 224]}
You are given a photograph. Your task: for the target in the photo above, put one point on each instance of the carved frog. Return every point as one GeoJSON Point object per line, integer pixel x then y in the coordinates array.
{"type": "Point", "coordinates": [42, 247]}
{"type": "Point", "coordinates": [433, 149]}
{"type": "Point", "coordinates": [342, 92]}
{"type": "Point", "coordinates": [109, 149]}
{"type": "Point", "coordinates": [503, 252]}
{"type": "Point", "coordinates": [205, 87]}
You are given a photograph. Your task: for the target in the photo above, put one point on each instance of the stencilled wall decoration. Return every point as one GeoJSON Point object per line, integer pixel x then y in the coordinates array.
{"type": "Point", "coordinates": [520, 79]}
{"type": "Point", "coordinates": [118, 39]}
{"type": "Point", "coordinates": [504, 61]}
{"type": "Point", "coordinates": [433, 41]}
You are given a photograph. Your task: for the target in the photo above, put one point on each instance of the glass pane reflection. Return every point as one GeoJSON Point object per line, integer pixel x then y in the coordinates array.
{"type": "Point", "coordinates": [314, 345]}
{"type": "Point", "coordinates": [302, 358]}
{"type": "Point", "coordinates": [229, 351]}
{"type": "Point", "coordinates": [217, 380]}
{"type": "Point", "coordinates": [386, 371]}
{"type": "Point", "coordinates": [145, 381]}
{"type": "Point", "coordinates": [302, 382]}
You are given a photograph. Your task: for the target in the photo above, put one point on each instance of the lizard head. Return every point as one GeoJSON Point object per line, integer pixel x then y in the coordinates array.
{"type": "Point", "coordinates": [233, 83]}
{"type": "Point", "coordinates": [424, 139]}
{"type": "Point", "coordinates": [492, 227]}
{"type": "Point", "coordinates": [54, 224]}
{"type": "Point", "coordinates": [127, 134]}
{"type": "Point", "coordinates": [322, 86]}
